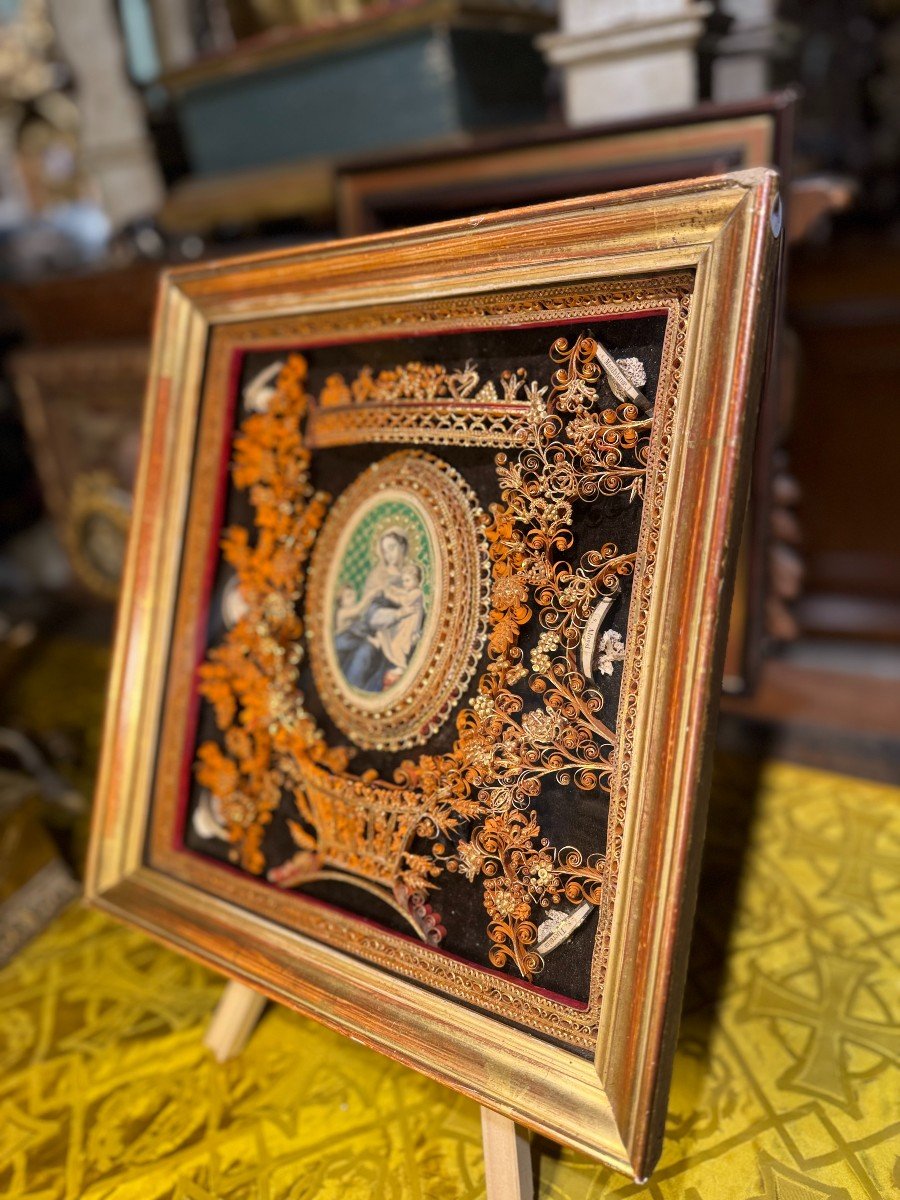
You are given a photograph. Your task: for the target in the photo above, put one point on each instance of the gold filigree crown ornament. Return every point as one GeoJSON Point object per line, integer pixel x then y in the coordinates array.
{"type": "Point", "coordinates": [414, 402]}
{"type": "Point", "coordinates": [427, 402]}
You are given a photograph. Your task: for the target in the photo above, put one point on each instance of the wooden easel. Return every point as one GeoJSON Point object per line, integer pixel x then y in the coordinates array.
{"type": "Point", "coordinates": [507, 1152]}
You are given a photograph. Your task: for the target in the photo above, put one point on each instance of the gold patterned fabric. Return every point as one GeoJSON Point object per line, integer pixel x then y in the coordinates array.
{"type": "Point", "coordinates": [783, 1087]}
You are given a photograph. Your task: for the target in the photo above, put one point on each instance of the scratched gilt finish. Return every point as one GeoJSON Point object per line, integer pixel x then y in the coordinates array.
{"type": "Point", "coordinates": [785, 1074]}
{"type": "Point", "coordinates": [724, 230]}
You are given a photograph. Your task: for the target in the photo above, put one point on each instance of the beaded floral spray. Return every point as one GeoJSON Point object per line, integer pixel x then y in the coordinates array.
{"type": "Point", "coordinates": [473, 808]}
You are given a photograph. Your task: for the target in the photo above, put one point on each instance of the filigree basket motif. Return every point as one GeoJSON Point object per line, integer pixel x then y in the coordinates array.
{"type": "Point", "coordinates": [363, 834]}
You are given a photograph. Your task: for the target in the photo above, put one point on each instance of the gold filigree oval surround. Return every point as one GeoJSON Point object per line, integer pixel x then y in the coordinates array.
{"type": "Point", "coordinates": [398, 600]}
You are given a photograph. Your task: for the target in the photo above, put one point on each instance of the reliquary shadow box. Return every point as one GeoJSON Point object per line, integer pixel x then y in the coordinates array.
{"type": "Point", "coordinates": [420, 634]}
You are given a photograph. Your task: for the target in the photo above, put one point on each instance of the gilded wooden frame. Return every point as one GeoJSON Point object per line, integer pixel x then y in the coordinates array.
{"type": "Point", "coordinates": [724, 232]}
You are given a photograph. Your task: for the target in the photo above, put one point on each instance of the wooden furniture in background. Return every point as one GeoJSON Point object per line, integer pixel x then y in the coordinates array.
{"type": "Point", "coordinates": [396, 75]}
{"type": "Point", "coordinates": [80, 380]}
{"type": "Point", "coordinates": [844, 302]}
{"type": "Point", "coordinates": [82, 411]}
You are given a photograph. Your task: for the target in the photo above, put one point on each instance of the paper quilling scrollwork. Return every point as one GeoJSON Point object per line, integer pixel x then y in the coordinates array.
{"type": "Point", "coordinates": [412, 606]}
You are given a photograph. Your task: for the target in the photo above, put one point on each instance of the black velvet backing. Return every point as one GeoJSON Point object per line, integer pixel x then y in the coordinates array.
{"type": "Point", "coordinates": [568, 816]}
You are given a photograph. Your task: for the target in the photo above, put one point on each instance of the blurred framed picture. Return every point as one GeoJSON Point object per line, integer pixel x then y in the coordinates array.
{"type": "Point", "coordinates": [415, 676]}
{"type": "Point", "coordinates": [82, 411]}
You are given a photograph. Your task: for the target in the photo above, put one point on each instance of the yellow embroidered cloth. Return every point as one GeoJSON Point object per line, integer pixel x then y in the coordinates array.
{"type": "Point", "coordinates": [782, 1089]}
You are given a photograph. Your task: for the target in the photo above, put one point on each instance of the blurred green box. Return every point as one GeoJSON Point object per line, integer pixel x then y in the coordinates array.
{"type": "Point", "coordinates": [414, 74]}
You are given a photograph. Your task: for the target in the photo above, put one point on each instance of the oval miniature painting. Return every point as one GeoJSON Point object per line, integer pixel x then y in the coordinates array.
{"type": "Point", "coordinates": [397, 602]}
{"type": "Point", "coordinates": [381, 595]}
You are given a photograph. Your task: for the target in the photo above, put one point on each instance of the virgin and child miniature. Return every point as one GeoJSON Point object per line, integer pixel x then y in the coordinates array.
{"type": "Point", "coordinates": [376, 633]}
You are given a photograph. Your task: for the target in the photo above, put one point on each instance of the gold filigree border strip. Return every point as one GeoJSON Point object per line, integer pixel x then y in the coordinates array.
{"type": "Point", "coordinates": [533, 306]}
{"type": "Point", "coordinates": [657, 475]}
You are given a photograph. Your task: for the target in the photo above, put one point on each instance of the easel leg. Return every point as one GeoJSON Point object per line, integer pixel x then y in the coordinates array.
{"type": "Point", "coordinates": [507, 1152]}
{"type": "Point", "coordinates": [234, 1020]}
{"type": "Point", "coordinates": [507, 1158]}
